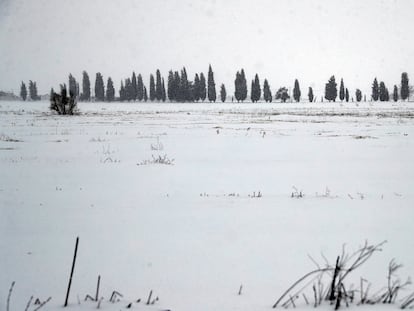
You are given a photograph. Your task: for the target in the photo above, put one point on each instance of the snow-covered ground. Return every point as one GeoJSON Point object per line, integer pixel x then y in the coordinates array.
{"type": "Point", "coordinates": [192, 231]}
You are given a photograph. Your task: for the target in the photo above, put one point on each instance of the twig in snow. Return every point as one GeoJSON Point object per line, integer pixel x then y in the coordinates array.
{"type": "Point", "coordinates": [43, 303]}
{"type": "Point", "coordinates": [99, 303]}
{"type": "Point", "coordinates": [71, 272]}
{"type": "Point", "coordinates": [97, 288]}
{"type": "Point", "coordinates": [28, 303]}
{"type": "Point", "coordinates": [9, 295]}
{"type": "Point", "coordinates": [240, 289]}
{"type": "Point", "coordinates": [149, 297]}
{"type": "Point", "coordinates": [114, 296]}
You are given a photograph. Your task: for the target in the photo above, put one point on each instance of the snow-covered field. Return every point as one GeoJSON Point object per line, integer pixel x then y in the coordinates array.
{"type": "Point", "coordinates": [194, 231]}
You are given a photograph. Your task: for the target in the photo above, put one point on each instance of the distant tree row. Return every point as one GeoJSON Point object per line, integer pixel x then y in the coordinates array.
{"type": "Point", "coordinates": [181, 89]}
{"type": "Point", "coordinates": [32, 91]}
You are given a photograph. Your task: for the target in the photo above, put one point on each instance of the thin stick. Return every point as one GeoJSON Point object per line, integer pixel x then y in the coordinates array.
{"type": "Point", "coordinates": [97, 288]}
{"type": "Point", "coordinates": [9, 295]}
{"type": "Point", "coordinates": [306, 299]}
{"type": "Point", "coordinates": [71, 272]}
{"type": "Point", "coordinates": [149, 297]}
{"type": "Point", "coordinates": [240, 289]}
{"type": "Point", "coordinates": [28, 303]}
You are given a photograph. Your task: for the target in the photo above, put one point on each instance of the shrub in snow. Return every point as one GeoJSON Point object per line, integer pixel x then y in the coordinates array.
{"type": "Point", "coordinates": [330, 283]}
{"type": "Point", "coordinates": [62, 104]}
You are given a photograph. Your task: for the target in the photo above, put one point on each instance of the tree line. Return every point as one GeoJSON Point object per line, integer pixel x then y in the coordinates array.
{"type": "Point", "coordinates": [179, 88]}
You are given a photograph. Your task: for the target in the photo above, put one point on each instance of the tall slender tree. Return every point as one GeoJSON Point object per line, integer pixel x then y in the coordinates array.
{"type": "Point", "coordinates": [267, 93]}
{"type": "Point", "coordinates": [346, 95]}
{"type": "Point", "coordinates": [163, 94]}
{"type": "Point", "coordinates": [223, 93]}
{"type": "Point", "coordinates": [158, 86]}
{"type": "Point", "coordinates": [405, 91]}
{"type": "Point", "coordinates": [395, 93]}
{"type": "Point", "coordinates": [152, 95]}
{"type": "Point", "coordinates": [255, 90]}
{"type": "Point", "coordinates": [310, 95]}
{"type": "Point", "coordinates": [122, 96]}
{"type": "Point", "coordinates": [33, 91]}
{"type": "Point", "coordinates": [145, 94]}
{"type": "Point", "coordinates": [296, 91]}
{"type": "Point", "coordinates": [86, 87]}
{"type": "Point", "coordinates": [170, 86]}
{"type": "Point", "coordinates": [375, 90]}
{"type": "Point", "coordinates": [110, 91]}
{"type": "Point", "coordinates": [72, 85]}
{"type": "Point", "coordinates": [211, 89]}
{"type": "Point", "coordinates": [342, 90]}
{"type": "Point", "coordinates": [202, 87]}
{"type": "Point", "coordinates": [196, 88]}
{"type": "Point", "coordinates": [243, 86]}
{"type": "Point", "coordinates": [140, 88]}
{"type": "Point", "coordinates": [99, 88]}
{"type": "Point", "coordinates": [23, 91]}
{"type": "Point", "coordinates": [134, 87]}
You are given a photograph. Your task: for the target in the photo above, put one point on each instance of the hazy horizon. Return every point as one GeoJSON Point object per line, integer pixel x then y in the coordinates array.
{"type": "Point", "coordinates": [46, 40]}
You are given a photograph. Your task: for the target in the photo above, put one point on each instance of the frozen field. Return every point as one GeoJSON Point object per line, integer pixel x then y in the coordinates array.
{"type": "Point", "coordinates": [193, 232]}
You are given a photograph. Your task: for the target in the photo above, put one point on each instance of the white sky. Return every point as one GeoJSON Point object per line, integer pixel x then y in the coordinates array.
{"type": "Point", "coordinates": [44, 40]}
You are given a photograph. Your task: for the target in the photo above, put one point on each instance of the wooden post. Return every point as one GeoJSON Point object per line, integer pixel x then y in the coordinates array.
{"type": "Point", "coordinates": [71, 272]}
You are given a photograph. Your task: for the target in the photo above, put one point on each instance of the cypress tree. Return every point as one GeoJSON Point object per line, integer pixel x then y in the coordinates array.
{"type": "Point", "coordinates": [152, 95]}
{"type": "Point", "coordinates": [99, 88]}
{"type": "Point", "coordinates": [252, 92]}
{"type": "Point", "coordinates": [134, 87]}
{"type": "Point", "coordinates": [211, 86]}
{"type": "Point", "coordinates": [267, 94]}
{"type": "Point", "coordinates": [33, 91]}
{"type": "Point", "coordinates": [158, 86]}
{"type": "Point", "coordinates": [122, 92]}
{"type": "Point", "coordinates": [86, 87]}
{"type": "Point", "coordinates": [72, 85]}
{"type": "Point", "coordinates": [255, 90]}
{"type": "Point", "coordinates": [128, 89]}
{"type": "Point", "coordinates": [176, 86]}
{"type": "Point", "coordinates": [395, 93]}
{"type": "Point", "coordinates": [23, 91]}
{"type": "Point", "coordinates": [310, 95]}
{"type": "Point", "coordinates": [358, 95]}
{"type": "Point", "coordinates": [375, 90]}
{"type": "Point", "coordinates": [223, 93]}
{"type": "Point", "coordinates": [196, 88]}
{"type": "Point", "coordinates": [184, 89]}
{"type": "Point", "coordinates": [140, 88]}
{"type": "Point", "coordinates": [145, 94]}
{"type": "Point", "coordinates": [170, 86]}
{"type": "Point", "coordinates": [341, 90]}
{"type": "Point", "coordinates": [243, 86]}
{"type": "Point", "coordinates": [382, 91]}
{"type": "Point", "coordinates": [163, 95]}
{"type": "Point", "coordinates": [346, 95]}
{"type": "Point", "coordinates": [202, 89]}
{"type": "Point", "coordinates": [405, 91]}
{"type": "Point", "coordinates": [296, 91]}
{"type": "Point", "coordinates": [110, 91]}
{"type": "Point", "coordinates": [211, 89]}
{"type": "Point", "coordinates": [330, 89]}
{"type": "Point", "coordinates": [237, 82]}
